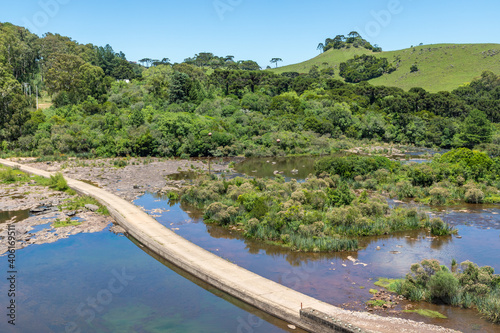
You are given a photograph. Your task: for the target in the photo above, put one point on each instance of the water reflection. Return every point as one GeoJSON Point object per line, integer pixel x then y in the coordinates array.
{"type": "Point", "coordinates": [19, 215]}
{"type": "Point", "coordinates": [344, 278]}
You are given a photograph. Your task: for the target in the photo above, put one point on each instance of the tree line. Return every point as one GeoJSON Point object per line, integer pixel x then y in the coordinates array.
{"type": "Point", "coordinates": [169, 109]}
{"type": "Point", "coordinates": [353, 39]}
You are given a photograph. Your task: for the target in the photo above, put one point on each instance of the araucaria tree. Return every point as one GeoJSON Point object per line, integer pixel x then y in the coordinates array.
{"type": "Point", "coordinates": [275, 61]}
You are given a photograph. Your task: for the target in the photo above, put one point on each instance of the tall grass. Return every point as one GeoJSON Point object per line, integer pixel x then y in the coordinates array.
{"type": "Point", "coordinates": [489, 307]}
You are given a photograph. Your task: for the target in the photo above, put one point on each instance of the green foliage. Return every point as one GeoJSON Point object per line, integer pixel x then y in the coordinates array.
{"type": "Point", "coordinates": [388, 284]}
{"type": "Point", "coordinates": [8, 175]}
{"type": "Point", "coordinates": [377, 302]}
{"type": "Point", "coordinates": [476, 130]}
{"type": "Point", "coordinates": [168, 110]}
{"type": "Point", "coordinates": [317, 215]}
{"type": "Point", "coordinates": [340, 196]}
{"type": "Point", "coordinates": [443, 285]}
{"type": "Point", "coordinates": [57, 182]}
{"type": "Point", "coordinates": [354, 39]}
{"type": "Point", "coordinates": [353, 165]}
{"type": "Point", "coordinates": [120, 163]}
{"type": "Point", "coordinates": [173, 196]}
{"type": "Point", "coordinates": [440, 228]}
{"type": "Point", "coordinates": [364, 68]}
{"type": "Point", "coordinates": [489, 306]}
{"type": "Point", "coordinates": [470, 163]}
{"type": "Point", "coordinates": [427, 313]}
{"type": "Point", "coordinates": [79, 202]}
{"type": "Point", "coordinates": [65, 223]}
{"type": "Point", "coordinates": [470, 285]}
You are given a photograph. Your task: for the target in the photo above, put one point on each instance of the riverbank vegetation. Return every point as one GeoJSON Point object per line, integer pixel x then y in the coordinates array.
{"type": "Point", "coordinates": [56, 182]}
{"type": "Point", "coordinates": [466, 285]}
{"type": "Point", "coordinates": [100, 104]}
{"type": "Point", "coordinates": [321, 214]}
{"type": "Point", "coordinates": [460, 175]}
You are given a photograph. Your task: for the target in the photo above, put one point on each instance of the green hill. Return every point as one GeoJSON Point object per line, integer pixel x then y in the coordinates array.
{"type": "Point", "coordinates": [441, 66]}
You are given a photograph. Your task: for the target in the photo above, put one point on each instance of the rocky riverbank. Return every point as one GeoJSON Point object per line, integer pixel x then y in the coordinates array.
{"type": "Point", "coordinates": [45, 207]}
{"type": "Point", "coordinates": [127, 178]}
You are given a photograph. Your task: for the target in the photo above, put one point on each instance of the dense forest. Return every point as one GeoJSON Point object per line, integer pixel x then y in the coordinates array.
{"type": "Point", "coordinates": [105, 105]}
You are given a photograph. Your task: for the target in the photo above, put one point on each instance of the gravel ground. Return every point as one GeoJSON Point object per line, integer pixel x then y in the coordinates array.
{"type": "Point", "coordinates": [139, 176]}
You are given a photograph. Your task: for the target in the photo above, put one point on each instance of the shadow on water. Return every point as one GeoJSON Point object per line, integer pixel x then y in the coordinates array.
{"type": "Point", "coordinates": [235, 301]}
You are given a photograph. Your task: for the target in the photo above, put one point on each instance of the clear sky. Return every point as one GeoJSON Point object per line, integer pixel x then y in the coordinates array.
{"type": "Point", "coordinates": [254, 29]}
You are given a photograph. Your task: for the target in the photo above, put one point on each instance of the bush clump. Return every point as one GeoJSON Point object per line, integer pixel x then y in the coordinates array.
{"type": "Point", "coordinates": [57, 182]}
{"type": "Point", "coordinates": [466, 285]}
{"type": "Point", "coordinates": [321, 214]}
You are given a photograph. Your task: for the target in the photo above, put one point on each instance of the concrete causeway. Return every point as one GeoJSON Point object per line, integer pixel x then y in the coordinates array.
{"type": "Point", "coordinates": [284, 303]}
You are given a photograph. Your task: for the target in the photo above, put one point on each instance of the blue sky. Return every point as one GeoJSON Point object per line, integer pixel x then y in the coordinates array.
{"type": "Point", "coordinates": [254, 29]}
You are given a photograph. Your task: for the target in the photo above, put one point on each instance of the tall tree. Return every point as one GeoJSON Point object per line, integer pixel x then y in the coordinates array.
{"type": "Point", "coordinates": [275, 61]}
{"type": "Point", "coordinates": [476, 129]}
{"type": "Point", "coordinates": [13, 113]}
{"type": "Point", "coordinates": [321, 47]}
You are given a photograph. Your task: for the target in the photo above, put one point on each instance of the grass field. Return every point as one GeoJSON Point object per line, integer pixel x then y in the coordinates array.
{"type": "Point", "coordinates": [442, 67]}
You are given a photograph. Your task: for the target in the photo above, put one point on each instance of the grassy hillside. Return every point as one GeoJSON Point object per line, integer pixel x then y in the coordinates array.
{"type": "Point", "coordinates": [441, 66]}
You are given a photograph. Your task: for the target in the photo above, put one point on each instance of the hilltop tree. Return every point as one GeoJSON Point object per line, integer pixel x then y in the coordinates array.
{"type": "Point", "coordinates": [353, 34]}
{"type": "Point", "coordinates": [353, 39]}
{"type": "Point", "coordinates": [321, 47]}
{"type": "Point", "coordinates": [124, 70]}
{"type": "Point", "coordinates": [146, 62]}
{"type": "Point", "coordinates": [275, 61]}
{"type": "Point", "coordinates": [248, 65]}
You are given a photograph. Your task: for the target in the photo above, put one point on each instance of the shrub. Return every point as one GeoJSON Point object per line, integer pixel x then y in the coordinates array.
{"type": "Point", "coordinates": [353, 165]}
{"type": "Point", "coordinates": [440, 228]}
{"type": "Point", "coordinates": [443, 286]}
{"type": "Point", "coordinates": [439, 195]}
{"type": "Point", "coordinates": [340, 196]}
{"type": "Point", "coordinates": [422, 175]}
{"type": "Point", "coordinates": [405, 190]}
{"type": "Point", "coordinates": [489, 307]}
{"type": "Point", "coordinates": [474, 195]}
{"type": "Point", "coordinates": [173, 195]}
{"type": "Point", "coordinates": [58, 182]}
{"type": "Point", "coordinates": [8, 175]}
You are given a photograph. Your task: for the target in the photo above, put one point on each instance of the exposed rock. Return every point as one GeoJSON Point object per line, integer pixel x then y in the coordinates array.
{"type": "Point", "coordinates": [92, 208]}
{"type": "Point", "coordinates": [45, 209]}
{"type": "Point", "coordinates": [117, 229]}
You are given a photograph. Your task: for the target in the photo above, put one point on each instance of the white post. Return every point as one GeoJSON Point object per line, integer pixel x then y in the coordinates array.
{"type": "Point", "coordinates": [37, 97]}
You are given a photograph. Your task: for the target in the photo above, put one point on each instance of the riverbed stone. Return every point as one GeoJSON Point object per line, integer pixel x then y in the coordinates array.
{"type": "Point", "coordinates": [92, 208]}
